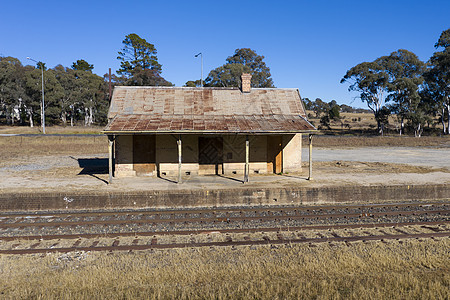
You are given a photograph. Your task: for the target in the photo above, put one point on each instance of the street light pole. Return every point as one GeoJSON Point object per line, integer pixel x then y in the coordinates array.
{"type": "Point", "coordinates": [201, 78]}
{"type": "Point", "coordinates": [42, 104]}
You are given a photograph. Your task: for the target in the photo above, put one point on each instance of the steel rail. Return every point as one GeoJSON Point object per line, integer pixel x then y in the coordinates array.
{"type": "Point", "coordinates": [206, 231]}
{"type": "Point", "coordinates": [218, 210]}
{"type": "Point", "coordinates": [116, 247]}
{"type": "Point", "coordinates": [221, 219]}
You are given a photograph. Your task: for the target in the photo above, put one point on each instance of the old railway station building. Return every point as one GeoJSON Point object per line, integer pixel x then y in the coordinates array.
{"type": "Point", "coordinates": [179, 131]}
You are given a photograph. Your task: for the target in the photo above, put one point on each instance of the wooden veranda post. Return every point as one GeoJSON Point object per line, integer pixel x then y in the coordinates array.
{"type": "Point", "coordinates": [179, 158]}
{"type": "Point", "coordinates": [310, 157]}
{"type": "Point", "coordinates": [247, 150]}
{"type": "Point", "coordinates": [110, 156]}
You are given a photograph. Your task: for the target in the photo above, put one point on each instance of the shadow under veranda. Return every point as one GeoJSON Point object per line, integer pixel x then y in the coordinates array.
{"type": "Point", "coordinates": [295, 176]}
{"type": "Point", "coordinates": [99, 166]}
{"type": "Point", "coordinates": [93, 167]}
{"type": "Point", "coordinates": [230, 178]}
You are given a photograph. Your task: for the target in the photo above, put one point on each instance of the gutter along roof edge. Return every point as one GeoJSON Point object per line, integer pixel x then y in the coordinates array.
{"type": "Point", "coordinates": [308, 123]}
{"type": "Point", "coordinates": [204, 132]}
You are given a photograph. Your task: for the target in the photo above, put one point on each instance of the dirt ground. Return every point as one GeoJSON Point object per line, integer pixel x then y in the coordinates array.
{"type": "Point", "coordinates": [51, 130]}
{"type": "Point", "coordinates": [29, 164]}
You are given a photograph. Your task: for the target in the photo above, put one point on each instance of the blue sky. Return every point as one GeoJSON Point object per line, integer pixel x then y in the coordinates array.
{"type": "Point", "coordinates": [307, 44]}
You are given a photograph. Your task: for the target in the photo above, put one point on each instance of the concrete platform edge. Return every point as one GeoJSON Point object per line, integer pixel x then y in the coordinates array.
{"type": "Point", "coordinates": [221, 197]}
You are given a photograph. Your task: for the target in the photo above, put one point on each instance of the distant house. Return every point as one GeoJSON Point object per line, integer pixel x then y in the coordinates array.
{"type": "Point", "coordinates": [197, 131]}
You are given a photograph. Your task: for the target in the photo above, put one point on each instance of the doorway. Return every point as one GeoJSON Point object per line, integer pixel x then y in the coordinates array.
{"type": "Point", "coordinates": [274, 154]}
{"type": "Point", "coordinates": [210, 155]}
{"type": "Point", "coordinates": [144, 154]}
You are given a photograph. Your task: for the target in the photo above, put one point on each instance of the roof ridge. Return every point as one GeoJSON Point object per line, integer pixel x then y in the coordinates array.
{"type": "Point", "coordinates": [183, 114]}
{"type": "Point", "coordinates": [193, 88]}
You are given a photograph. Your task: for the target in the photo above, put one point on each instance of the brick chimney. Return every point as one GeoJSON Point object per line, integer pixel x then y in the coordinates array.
{"type": "Point", "coordinates": [246, 81]}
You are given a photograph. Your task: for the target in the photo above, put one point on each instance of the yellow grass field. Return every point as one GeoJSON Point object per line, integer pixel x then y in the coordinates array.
{"type": "Point", "coordinates": [408, 269]}
{"type": "Point", "coordinates": [360, 122]}
{"type": "Point", "coordinates": [51, 130]}
{"type": "Point", "coordinates": [23, 146]}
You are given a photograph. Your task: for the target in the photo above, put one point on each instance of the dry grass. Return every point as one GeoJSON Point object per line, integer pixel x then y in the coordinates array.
{"type": "Point", "coordinates": [327, 141]}
{"type": "Point", "coordinates": [364, 123]}
{"type": "Point", "coordinates": [22, 146]}
{"type": "Point", "coordinates": [353, 120]}
{"type": "Point", "coordinates": [411, 270]}
{"type": "Point", "coordinates": [51, 130]}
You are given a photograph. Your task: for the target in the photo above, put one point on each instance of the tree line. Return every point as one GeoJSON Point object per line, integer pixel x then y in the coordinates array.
{"type": "Point", "coordinates": [75, 95]}
{"type": "Point", "coordinates": [72, 95]}
{"type": "Point", "coordinates": [328, 111]}
{"type": "Point", "coordinates": [399, 83]}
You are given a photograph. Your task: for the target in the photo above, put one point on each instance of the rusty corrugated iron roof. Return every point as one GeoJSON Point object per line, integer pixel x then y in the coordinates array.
{"type": "Point", "coordinates": [216, 124]}
{"type": "Point", "coordinates": [206, 110]}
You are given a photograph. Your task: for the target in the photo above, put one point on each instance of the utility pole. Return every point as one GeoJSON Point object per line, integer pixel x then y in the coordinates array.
{"type": "Point", "coordinates": [110, 96]}
{"type": "Point", "coordinates": [43, 102]}
{"type": "Point", "coordinates": [201, 78]}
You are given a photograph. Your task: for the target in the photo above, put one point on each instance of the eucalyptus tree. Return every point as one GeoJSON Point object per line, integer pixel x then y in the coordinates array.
{"type": "Point", "coordinates": [405, 71]}
{"type": "Point", "coordinates": [84, 94]}
{"type": "Point", "coordinates": [193, 83]}
{"type": "Point", "coordinates": [244, 60]}
{"type": "Point", "coordinates": [228, 75]}
{"type": "Point", "coordinates": [318, 106]}
{"type": "Point", "coordinates": [146, 77]}
{"type": "Point", "coordinates": [68, 98]}
{"type": "Point", "coordinates": [13, 96]}
{"type": "Point", "coordinates": [52, 89]}
{"type": "Point", "coordinates": [371, 80]}
{"type": "Point", "coordinates": [437, 79]}
{"type": "Point", "coordinates": [91, 97]}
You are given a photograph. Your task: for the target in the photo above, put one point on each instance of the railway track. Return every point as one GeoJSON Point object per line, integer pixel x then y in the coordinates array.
{"type": "Point", "coordinates": [218, 227]}
{"type": "Point", "coordinates": [218, 215]}
{"type": "Point", "coordinates": [230, 237]}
